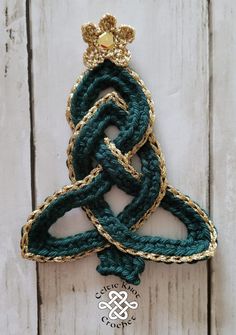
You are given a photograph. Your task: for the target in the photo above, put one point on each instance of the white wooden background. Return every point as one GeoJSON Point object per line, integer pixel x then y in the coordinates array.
{"type": "Point", "coordinates": [185, 51]}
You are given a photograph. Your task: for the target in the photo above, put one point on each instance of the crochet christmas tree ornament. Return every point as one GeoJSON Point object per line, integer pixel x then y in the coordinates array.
{"type": "Point", "coordinates": [129, 107]}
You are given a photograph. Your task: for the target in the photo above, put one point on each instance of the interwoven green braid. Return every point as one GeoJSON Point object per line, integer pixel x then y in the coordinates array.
{"type": "Point", "coordinates": [89, 146]}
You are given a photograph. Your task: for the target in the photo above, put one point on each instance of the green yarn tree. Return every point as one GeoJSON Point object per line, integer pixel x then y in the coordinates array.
{"type": "Point", "coordinates": [129, 107]}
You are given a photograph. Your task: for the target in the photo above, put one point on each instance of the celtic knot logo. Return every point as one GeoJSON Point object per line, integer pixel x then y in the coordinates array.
{"type": "Point", "coordinates": [118, 305]}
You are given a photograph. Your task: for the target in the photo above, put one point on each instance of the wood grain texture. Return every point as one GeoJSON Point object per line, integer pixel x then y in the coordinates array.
{"type": "Point", "coordinates": [18, 305]}
{"type": "Point", "coordinates": [224, 165]}
{"type": "Point", "coordinates": [171, 55]}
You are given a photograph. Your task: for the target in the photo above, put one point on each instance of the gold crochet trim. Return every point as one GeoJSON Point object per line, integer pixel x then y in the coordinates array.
{"type": "Point", "coordinates": [125, 161]}
{"type": "Point", "coordinates": [122, 159]}
{"type": "Point", "coordinates": [163, 258]}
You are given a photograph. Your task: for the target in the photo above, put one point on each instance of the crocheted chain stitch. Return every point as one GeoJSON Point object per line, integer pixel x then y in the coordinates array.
{"type": "Point", "coordinates": [120, 248]}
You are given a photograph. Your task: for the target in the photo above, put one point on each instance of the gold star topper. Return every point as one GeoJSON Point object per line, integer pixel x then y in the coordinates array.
{"type": "Point", "coordinates": [106, 41]}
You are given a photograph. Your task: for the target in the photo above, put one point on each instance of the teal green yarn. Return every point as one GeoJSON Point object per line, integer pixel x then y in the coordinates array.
{"type": "Point", "coordinates": [89, 146]}
{"type": "Point", "coordinates": [120, 264]}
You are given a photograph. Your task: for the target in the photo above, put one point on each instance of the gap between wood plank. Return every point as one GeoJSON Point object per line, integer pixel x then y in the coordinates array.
{"type": "Point", "coordinates": [32, 139]}
{"type": "Point", "coordinates": [210, 90]}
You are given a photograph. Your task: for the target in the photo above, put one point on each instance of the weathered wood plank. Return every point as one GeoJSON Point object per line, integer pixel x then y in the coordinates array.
{"type": "Point", "coordinates": [224, 165]}
{"type": "Point", "coordinates": [171, 55]}
{"type": "Point", "coordinates": [18, 303]}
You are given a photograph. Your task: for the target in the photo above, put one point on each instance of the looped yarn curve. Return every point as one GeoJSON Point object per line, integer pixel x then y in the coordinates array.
{"type": "Point", "coordinates": [120, 248]}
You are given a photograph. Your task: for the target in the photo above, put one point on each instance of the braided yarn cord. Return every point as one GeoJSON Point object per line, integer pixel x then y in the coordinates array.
{"type": "Point", "coordinates": [121, 250]}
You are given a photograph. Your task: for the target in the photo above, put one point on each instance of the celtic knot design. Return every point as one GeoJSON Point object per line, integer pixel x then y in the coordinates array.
{"type": "Point", "coordinates": [120, 248]}
{"type": "Point", "coordinates": [118, 305]}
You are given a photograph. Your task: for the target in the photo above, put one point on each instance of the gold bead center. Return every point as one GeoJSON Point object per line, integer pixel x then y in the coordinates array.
{"type": "Point", "coordinates": [106, 40]}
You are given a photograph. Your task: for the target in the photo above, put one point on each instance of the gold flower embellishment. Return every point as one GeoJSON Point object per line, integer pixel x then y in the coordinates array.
{"type": "Point", "coordinates": [106, 41]}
